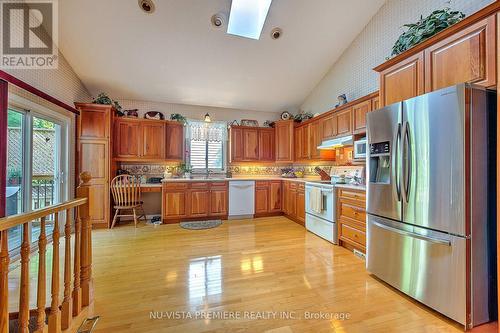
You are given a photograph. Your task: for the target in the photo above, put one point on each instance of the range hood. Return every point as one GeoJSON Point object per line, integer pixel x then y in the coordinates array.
{"type": "Point", "coordinates": [336, 143]}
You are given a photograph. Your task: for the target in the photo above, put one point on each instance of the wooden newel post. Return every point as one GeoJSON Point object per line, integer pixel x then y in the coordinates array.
{"type": "Point", "coordinates": [86, 281]}
{"type": "Point", "coordinates": [4, 282]}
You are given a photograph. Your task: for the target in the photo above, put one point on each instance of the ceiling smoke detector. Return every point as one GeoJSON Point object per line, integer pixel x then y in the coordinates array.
{"type": "Point", "coordinates": [276, 33]}
{"type": "Point", "coordinates": [218, 20]}
{"type": "Point", "coordinates": [147, 6]}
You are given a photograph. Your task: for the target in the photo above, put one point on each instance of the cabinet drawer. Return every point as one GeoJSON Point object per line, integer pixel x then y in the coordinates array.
{"type": "Point", "coordinates": [352, 194]}
{"type": "Point", "coordinates": [261, 183]}
{"type": "Point", "coordinates": [218, 184]}
{"type": "Point", "coordinates": [352, 234]}
{"type": "Point", "coordinates": [202, 185]}
{"type": "Point", "coordinates": [352, 212]}
{"type": "Point", "coordinates": [150, 189]}
{"type": "Point", "coordinates": [175, 186]}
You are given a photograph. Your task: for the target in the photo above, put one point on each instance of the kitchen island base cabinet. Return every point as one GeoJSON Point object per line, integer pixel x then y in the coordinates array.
{"type": "Point", "coordinates": [351, 217]}
{"type": "Point", "coordinates": [184, 201]}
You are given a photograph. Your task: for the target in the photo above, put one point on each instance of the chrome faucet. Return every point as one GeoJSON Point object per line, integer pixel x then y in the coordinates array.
{"type": "Point", "coordinates": [209, 172]}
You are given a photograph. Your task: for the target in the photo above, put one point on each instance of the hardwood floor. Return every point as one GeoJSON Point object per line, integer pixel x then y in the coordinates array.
{"type": "Point", "coordinates": [267, 264]}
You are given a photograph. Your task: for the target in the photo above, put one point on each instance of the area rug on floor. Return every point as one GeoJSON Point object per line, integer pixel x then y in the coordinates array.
{"type": "Point", "coordinates": [197, 225]}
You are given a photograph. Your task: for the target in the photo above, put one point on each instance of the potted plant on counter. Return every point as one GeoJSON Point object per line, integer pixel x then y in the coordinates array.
{"type": "Point", "coordinates": [185, 169]}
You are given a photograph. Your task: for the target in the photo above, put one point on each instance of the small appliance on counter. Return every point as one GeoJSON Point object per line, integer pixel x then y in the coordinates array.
{"type": "Point", "coordinates": [154, 180]}
{"type": "Point", "coordinates": [120, 172]}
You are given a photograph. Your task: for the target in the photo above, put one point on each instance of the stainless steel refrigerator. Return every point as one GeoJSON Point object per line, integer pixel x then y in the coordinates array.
{"type": "Point", "coordinates": [431, 200]}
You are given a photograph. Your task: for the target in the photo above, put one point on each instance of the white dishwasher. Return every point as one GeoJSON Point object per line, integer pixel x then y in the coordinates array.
{"type": "Point", "coordinates": [241, 198]}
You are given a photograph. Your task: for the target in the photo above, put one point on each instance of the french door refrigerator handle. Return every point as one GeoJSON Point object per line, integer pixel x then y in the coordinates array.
{"type": "Point", "coordinates": [395, 162]}
{"type": "Point", "coordinates": [413, 234]}
{"type": "Point", "coordinates": [408, 160]}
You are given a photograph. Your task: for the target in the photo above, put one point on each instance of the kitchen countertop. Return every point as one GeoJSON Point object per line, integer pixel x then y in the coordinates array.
{"type": "Point", "coordinates": [351, 187]}
{"type": "Point", "coordinates": [256, 178]}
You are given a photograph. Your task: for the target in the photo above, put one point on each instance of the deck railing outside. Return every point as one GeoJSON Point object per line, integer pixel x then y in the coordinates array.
{"type": "Point", "coordinates": [78, 292]}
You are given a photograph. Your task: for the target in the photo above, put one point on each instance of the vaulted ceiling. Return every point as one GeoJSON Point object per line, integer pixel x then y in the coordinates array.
{"type": "Point", "coordinates": [174, 55]}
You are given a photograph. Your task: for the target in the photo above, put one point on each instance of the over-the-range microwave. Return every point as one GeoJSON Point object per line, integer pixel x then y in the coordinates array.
{"type": "Point", "coordinates": [360, 149]}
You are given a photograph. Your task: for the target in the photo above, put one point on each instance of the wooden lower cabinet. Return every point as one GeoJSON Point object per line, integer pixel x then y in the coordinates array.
{"type": "Point", "coordinates": [174, 204]}
{"type": "Point", "coordinates": [268, 197]}
{"type": "Point", "coordinates": [199, 202]}
{"type": "Point", "coordinates": [300, 204]}
{"type": "Point", "coordinates": [294, 201]}
{"type": "Point", "coordinates": [219, 199]}
{"type": "Point", "coordinates": [351, 217]}
{"type": "Point", "coordinates": [192, 200]}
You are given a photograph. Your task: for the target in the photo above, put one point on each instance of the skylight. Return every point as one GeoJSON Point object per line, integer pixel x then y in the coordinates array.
{"type": "Point", "coordinates": [247, 17]}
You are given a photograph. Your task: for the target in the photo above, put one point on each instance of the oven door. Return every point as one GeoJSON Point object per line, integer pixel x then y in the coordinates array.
{"type": "Point", "coordinates": [327, 197]}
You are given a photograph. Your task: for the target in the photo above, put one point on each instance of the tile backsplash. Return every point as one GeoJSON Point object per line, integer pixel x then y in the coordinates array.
{"type": "Point", "coordinates": [144, 171]}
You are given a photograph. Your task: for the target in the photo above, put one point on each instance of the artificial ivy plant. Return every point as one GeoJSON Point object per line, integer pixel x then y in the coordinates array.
{"type": "Point", "coordinates": [426, 27]}
{"type": "Point", "coordinates": [104, 99]}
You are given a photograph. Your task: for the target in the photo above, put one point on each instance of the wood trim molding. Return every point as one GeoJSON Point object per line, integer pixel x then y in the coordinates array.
{"type": "Point", "coordinates": [4, 92]}
{"type": "Point", "coordinates": [23, 85]}
{"type": "Point", "coordinates": [469, 20]}
{"type": "Point", "coordinates": [340, 108]}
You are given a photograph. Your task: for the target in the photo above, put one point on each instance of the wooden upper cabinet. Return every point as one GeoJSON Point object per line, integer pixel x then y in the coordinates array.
{"type": "Point", "coordinates": [467, 56]}
{"type": "Point", "coordinates": [359, 112]}
{"type": "Point", "coordinates": [298, 137]}
{"type": "Point", "coordinates": [94, 121]}
{"type": "Point", "coordinates": [127, 139]}
{"type": "Point", "coordinates": [329, 126]}
{"type": "Point", "coordinates": [236, 143]}
{"type": "Point", "coordinates": [153, 140]}
{"type": "Point", "coordinates": [315, 138]}
{"type": "Point", "coordinates": [344, 122]}
{"type": "Point", "coordinates": [403, 80]}
{"type": "Point", "coordinates": [306, 151]}
{"type": "Point", "coordinates": [174, 141]}
{"type": "Point", "coordinates": [375, 103]}
{"type": "Point", "coordinates": [250, 144]}
{"type": "Point", "coordinates": [284, 140]}
{"type": "Point", "coordinates": [266, 144]}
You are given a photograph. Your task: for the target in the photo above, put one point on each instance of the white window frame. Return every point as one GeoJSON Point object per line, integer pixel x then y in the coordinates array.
{"type": "Point", "coordinates": [66, 161]}
{"type": "Point", "coordinates": [224, 155]}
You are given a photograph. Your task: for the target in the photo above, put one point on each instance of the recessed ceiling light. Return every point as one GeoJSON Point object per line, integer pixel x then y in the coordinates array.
{"type": "Point", "coordinates": [247, 17]}
{"type": "Point", "coordinates": [218, 20]}
{"type": "Point", "coordinates": [276, 33]}
{"type": "Point", "coordinates": [147, 6]}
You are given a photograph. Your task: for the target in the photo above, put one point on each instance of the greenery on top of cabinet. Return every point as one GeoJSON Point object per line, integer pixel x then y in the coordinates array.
{"type": "Point", "coordinates": [425, 28]}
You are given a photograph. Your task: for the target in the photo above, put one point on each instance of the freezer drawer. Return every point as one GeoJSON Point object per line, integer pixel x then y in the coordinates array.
{"type": "Point", "coordinates": [322, 228]}
{"type": "Point", "coordinates": [427, 265]}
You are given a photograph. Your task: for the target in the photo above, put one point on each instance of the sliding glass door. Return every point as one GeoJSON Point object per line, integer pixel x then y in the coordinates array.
{"type": "Point", "coordinates": [36, 167]}
{"type": "Point", "coordinates": [15, 191]}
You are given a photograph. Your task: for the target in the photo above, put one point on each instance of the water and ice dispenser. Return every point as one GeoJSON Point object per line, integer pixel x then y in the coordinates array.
{"type": "Point", "coordinates": [380, 163]}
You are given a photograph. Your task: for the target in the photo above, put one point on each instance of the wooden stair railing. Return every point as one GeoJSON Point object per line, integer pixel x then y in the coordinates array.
{"type": "Point", "coordinates": [59, 316]}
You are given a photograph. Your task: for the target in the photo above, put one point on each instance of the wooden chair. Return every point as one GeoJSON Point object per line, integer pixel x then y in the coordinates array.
{"type": "Point", "coordinates": [126, 192]}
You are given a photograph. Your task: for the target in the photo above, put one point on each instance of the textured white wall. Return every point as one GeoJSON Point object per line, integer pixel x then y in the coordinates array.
{"type": "Point", "coordinates": [198, 112]}
{"type": "Point", "coordinates": [352, 74]}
